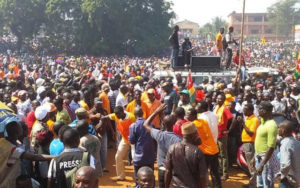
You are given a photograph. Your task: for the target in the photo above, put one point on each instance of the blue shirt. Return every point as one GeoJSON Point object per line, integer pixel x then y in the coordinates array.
{"type": "Point", "coordinates": [164, 140]}
{"type": "Point", "coordinates": [290, 158]}
{"type": "Point", "coordinates": [74, 106]}
{"type": "Point", "coordinates": [91, 128]}
{"type": "Point", "coordinates": [56, 147]}
{"type": "Point", "coordinates": [143, 143]}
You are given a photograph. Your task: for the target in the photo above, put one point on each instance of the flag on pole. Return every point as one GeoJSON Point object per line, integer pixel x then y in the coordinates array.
{"type": "Point", "coordinates": [297, 70]}
{"type": "Point", "coordinates": [190, 87]}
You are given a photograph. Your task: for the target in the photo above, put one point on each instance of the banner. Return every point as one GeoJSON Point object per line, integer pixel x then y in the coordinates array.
{"type": "Point", "coordinates": [6, 116]}
{"type": "Point", "coordinates": [297, 33]}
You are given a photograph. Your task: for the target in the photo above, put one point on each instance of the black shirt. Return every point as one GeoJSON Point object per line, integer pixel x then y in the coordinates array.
{"type": "Point", "coordinates": [174, 39]}
{"type": "Point", "coordinates": [170, 99]}
{"type": "Point", "coordinates": [63, 163]}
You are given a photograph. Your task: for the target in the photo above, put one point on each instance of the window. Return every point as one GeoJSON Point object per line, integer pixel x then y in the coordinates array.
{"type": "Point", "coordinates": [239, 19]}
{"type": "Point", "coordinates": [258, 19]}
{"type": "Point", "coordinates": [269, 31]}
{"type": "Point", "coordinates": [254, 31]}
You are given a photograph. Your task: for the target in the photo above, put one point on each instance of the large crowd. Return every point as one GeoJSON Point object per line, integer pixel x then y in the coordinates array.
{"type": "Point", "coordinates": [60, 114]}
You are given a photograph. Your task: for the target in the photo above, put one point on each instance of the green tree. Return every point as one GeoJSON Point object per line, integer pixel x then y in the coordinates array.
{"type": "Point", "coordinates": [283, 16]}
{"type": "Point", "coordinates": [139, 27]}
{"type": "Point", "coordinates": [22, 17]}
{"type": "Point", "coordinates": [212, 28]}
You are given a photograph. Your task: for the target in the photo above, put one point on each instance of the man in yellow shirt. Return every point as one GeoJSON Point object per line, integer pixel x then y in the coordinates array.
{"type": "Point", "coordinates": [137, 103]}
{"type": "Point", "coordinates": [219, 43]}
{"type": "Point", "coordinates": [248, 137]}
{"type": "Point", "coordinates": [123, 120]}
{"type": "Point", "coordinates": [208, 146]}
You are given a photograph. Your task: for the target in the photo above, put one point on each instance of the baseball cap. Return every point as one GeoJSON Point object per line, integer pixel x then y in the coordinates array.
{"type": "Point", "coordinates": [185, 91]}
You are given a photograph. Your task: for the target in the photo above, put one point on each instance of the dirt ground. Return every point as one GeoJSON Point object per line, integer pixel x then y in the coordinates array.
{"type": "Point", "coordinates": [236, 180]}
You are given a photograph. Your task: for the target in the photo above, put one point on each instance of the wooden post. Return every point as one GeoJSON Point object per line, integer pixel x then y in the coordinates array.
{"type": "Point", "coordinates": [242, 34]}
{"type": "Point", "coordinates": [241, 47]}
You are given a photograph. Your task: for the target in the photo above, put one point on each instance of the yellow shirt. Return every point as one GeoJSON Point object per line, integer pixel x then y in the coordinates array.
{"type": "Point", "coordinates": [219, 43]}
{"type": "Point", "coordinates": [252, 122]}
{"type": "Point", "coordinates": [84, 105]}
{"type": "Point", "coordinates": [131, 107]}
{"type": "Point", "coordinates": [123, 124]}
{"type": "Point", "coordinates": [208, 145]}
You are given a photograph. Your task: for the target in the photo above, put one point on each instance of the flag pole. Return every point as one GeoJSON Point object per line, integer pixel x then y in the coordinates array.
{"type": "Point", "coordinates": [241, 44]}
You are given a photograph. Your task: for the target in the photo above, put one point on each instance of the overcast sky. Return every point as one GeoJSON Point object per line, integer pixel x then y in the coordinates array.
{"type": "Point", "coordinates": [202, 11]}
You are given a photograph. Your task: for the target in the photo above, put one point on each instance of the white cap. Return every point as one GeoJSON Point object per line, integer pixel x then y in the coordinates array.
{"type": "Point", "coordinates": [39, 82]}
{"type": "Point", "coordinates": [40, 90]}
{"type": "Point", "coordinates": [41, 112]}
{"type": "Point", "coordinates": [247, 87]}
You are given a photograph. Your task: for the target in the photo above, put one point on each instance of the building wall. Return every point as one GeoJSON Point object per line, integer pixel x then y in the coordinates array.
{"type": "Point", "coordinates": [256, 25]}
{"type": "Point", "coordinates": [188, 28]}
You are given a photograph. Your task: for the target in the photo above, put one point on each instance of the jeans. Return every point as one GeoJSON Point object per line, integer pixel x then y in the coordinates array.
{"type": "Point", "coordinates": [285, 184]}
{"type": "Point", "coordinates": [174, 57]}
{"type": "Point", "coordinates": [213, 163]}
{"type": "Point", "coordinates": [228, 57]}
{"type": "Point", "coordinates": [161, 178]}
{"type": "Point", "coordinates": [103, 151]}
{"type": "Point", "coordinates": [248, 148]}
{"type": "Point", "coordinates": [262, 180]}
{"type": "Point", "coordinates": [243, 73]}
{"type": "Point", "coordinates": [223, 157]}
{"type": "Point", "coordinates": [120, 156]}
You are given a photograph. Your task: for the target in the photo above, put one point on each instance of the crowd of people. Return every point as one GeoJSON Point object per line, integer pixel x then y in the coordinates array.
{"type": "Point", "coordinates": [60, 115]}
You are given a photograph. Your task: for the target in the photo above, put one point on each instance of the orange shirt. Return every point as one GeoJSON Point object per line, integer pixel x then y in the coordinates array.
{"type": "Point", "coordinates": [131, 107]}
{"type": "Point", "coordinates": [252, 122]}
{"type": "Point", "coordinates": [2, 74]}
{"type": "Point", "coordinates": [123, 124]}
{"type": "Point", "coordinates": [208, 146]}
{"type": "Point", "coordinates": [152, 106]}
{"type": "Point", "coordinates": [106, 103]}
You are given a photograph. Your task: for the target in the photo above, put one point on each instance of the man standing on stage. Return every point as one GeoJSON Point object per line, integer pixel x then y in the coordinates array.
{"type": "Point", "coordinates": [173, 39]}
{"type": "Point", "coordinates": [219, 43]}
{"type": "Point", "coordinates": [186, 51]}
{"type": "Point", "coordinates": [230, 42]}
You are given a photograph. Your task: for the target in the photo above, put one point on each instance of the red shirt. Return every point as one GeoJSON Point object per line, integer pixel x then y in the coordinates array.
{"type": "Point", "coordinates": [177, 127]}
{"type": "Point", "coordinates": [227, 115]}
{"type": "Point", "coordinates": [236, 60]}
{"type": "Point", "coordinates": [30, 119]}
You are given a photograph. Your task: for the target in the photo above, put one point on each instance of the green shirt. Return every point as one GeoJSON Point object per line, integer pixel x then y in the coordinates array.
{"type": "Point", "coordinates": [265, 136]}
{"type": "Point", "coordinates": [63, 116]}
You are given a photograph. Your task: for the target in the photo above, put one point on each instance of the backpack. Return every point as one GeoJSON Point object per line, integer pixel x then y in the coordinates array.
{"type": "Point", "coordinates": [70, 175]}
{"type": "Point", "coordinates": [224, 42]}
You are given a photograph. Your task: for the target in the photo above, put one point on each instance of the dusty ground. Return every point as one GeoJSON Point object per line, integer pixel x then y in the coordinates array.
{"type": "Point", "coordinates": [236, 180]}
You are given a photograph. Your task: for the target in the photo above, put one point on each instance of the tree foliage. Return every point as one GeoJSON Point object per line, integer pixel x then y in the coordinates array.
{"type": "Point", "coordinates": [108, 27]}
{"type": "Point", "coordinates": [22, 17]}
{"type": "Point", "coordinates": [283, 15]}
{"type": "Point", "coordinates": [212, 28]}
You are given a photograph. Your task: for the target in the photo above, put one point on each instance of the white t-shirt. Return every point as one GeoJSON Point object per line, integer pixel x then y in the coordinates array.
{"type": "Point", "coordinates": [212, 121]}
{"type": "Point", "coordinates": [121, 100]}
